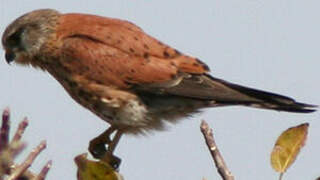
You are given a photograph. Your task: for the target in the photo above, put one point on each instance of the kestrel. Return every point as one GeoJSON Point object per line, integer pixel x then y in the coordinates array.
{"type": "Point", "coordinates": [126, 77]}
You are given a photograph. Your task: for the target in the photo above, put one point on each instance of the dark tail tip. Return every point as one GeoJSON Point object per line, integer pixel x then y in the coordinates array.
{"type": "Point", "coordinates": [298, 108]}
{"type": "Point", "coordinates": [262, 99]}
{"type": "Point", "coordinates": [282, 103]}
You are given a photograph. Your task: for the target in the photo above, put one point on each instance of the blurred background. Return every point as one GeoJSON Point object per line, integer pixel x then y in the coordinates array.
{"type": "Point", "coordinates": [271, 45]}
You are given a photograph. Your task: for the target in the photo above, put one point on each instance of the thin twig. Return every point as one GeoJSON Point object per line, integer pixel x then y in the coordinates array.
{"type": "Point", "coordinates": [21, 128]}
{"type": "Point", "coordinates": [5, 128]}
{"type": "Point", "coordinates": [5, 154]}
{"type": "Point", "coordinates": [9, 151]}
{"type": "Point", "coordinates": [215, 153]}
{"type": "Point", "coordinates": [27, 163]}
{"type": "Point", "coordinates": [280, 176]}
{"type": "Point", "coordinates": [42, 175]}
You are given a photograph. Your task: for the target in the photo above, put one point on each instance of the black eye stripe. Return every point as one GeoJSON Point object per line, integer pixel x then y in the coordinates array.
{"type": "Point", "coordinates": [15, 38]}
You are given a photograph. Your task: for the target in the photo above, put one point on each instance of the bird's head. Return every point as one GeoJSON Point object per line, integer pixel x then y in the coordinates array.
{"type": "Point", "coordinates": [24, 37]}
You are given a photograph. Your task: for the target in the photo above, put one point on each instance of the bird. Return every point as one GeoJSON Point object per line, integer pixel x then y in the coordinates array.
{"type": "Point", "coordinates": [126, 77]}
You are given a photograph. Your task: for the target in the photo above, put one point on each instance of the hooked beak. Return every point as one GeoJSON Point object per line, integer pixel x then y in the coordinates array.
{"type": "Point", "coordinates": [10, 56]}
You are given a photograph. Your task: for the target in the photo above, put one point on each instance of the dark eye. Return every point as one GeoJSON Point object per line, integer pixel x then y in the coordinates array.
{"type": "Point", "coordinates": [14, 40]}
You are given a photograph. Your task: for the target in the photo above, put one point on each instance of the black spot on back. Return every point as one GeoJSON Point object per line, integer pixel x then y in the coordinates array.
{"type": "Point", "coordinates": [196, 64]}
{"type": "Point", "coordinates": [146, 55]}
{"type": "Point", "coordinates": [166, 54]}
{"type": "Point", "coordinates": [131, 50]}
{"type": "Point", "coordinates": [145, 46]}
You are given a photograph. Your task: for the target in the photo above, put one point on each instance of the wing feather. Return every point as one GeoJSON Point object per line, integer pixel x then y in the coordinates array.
{"type": "Point", "coordinates": [118, 53]}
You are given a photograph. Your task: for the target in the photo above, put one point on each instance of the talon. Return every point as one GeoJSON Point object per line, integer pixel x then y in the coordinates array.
{"type": "Point", "coordinates": [97, 150]}
{"type": "Point", "coordinates": [112, 160]}
{"type": "Point", "coordinates": [97, 146]}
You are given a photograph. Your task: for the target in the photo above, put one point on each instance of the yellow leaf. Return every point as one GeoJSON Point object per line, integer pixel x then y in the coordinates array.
{"type": "Point", "coordinates": [287, 147]}
{"type": "Point", "coordinates": [95, 170]}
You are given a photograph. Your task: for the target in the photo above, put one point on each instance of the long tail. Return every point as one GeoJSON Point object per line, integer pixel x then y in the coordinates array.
{"type": "Point", "coordinates": [261, 99]}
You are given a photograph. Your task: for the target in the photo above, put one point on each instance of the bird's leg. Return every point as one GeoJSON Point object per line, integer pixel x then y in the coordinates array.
{"type": "Point", "coordinates": [97, 147]}
{"type": "Point", "coordinates": [113, 144]}
{"type": "Point", "coordinates": [108, 157]}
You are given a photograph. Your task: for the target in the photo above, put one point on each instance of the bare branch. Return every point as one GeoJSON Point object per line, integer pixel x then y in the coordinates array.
{"type": "Point", "coordinates": [280, 176]}
{"type": "Point", "coordinates": [42, 175]}
{"type": "Point", "coordinates": [215, 153]}
{"type": "Point", "coordinates": [4, 131]}
{"type": "Point", "coordinates": [9, 150]}
{"type": "Point", "coordinates": [27, 163]}
{"type": "Point", "coordinates": [21, 128]}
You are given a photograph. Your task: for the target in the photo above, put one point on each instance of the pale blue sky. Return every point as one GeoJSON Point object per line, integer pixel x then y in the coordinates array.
{"type": "Point", "coordinates": [271, 45]}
